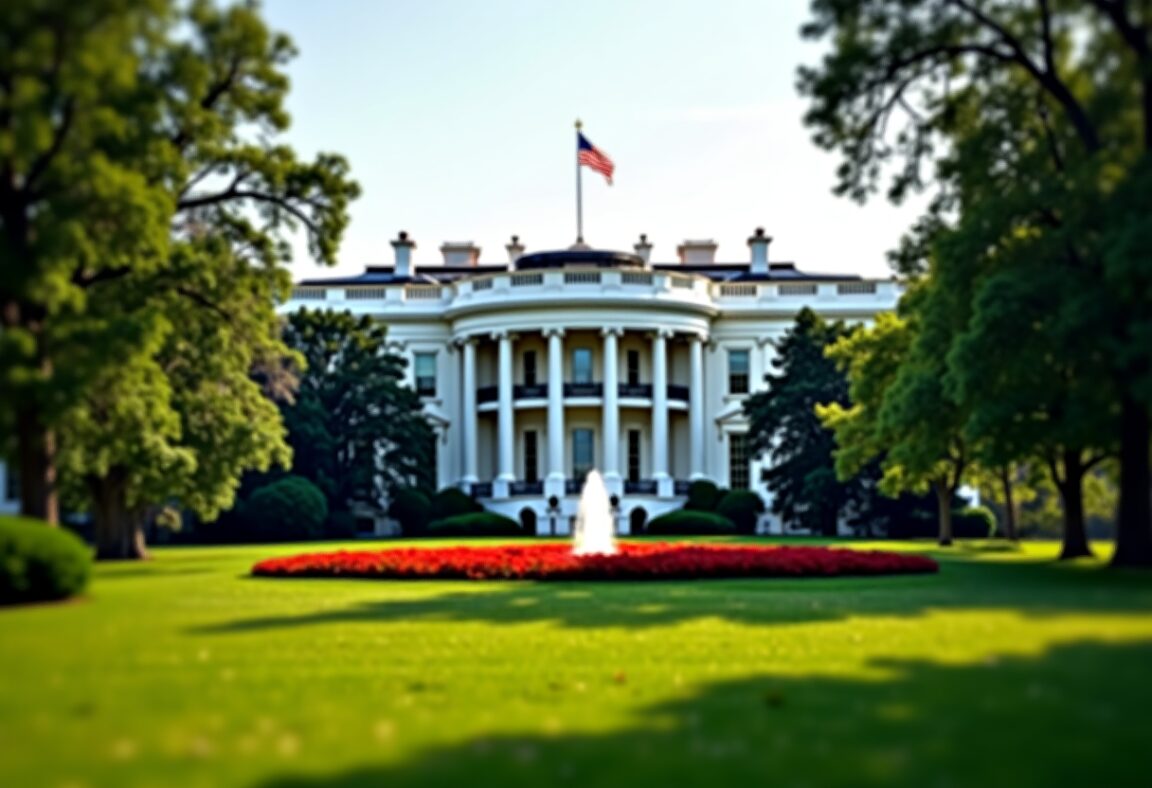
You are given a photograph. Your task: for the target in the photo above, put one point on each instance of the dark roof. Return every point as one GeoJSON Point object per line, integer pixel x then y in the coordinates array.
{"type": "Point", "coordinates": [598, 258]}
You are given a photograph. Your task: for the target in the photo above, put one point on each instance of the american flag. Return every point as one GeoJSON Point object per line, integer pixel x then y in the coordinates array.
{"type": "Point", "coordinates": [591, 156]}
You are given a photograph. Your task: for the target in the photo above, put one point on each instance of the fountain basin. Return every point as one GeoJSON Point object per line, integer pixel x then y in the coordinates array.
{"type": "Point", "coordinates": [630, 562]}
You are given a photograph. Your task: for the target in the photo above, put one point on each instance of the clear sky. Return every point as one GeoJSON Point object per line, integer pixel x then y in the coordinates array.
{"type": "Point", "coordinates": [457, 117]}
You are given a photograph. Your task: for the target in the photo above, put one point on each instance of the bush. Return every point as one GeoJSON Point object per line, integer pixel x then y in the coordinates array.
{"type": "Point", "coordinates": [288, 509]}
{"type": "Point", "coordinates": [451, 502]}
{"type": "Point", "coordinates": [689, 523]}
{"type": "Point", "coordinates": [743, 508]}
{"type": "Point", "coordinates": [412, 509]}
{"type": "Point", "coordinates": [340, 525]}
{"type": "Point", "coordinates": [40, 563]}
{"type": "Point", "coordinates": [475, 524]}
{"type": "Point", "coordinates": [703, 496]}
{"type": "Point", "coordinates": [973, 522]}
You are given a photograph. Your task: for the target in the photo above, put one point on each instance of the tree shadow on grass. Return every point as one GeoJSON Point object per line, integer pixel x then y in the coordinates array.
{"type": "Point", "coordinates": [1037, 589]}
{"type": "Point", "coordinates": [1076, 715]}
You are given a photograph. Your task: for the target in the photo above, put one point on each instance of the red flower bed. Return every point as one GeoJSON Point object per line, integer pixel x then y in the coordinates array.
{"type": "Point", "coordinates": [645, 561]}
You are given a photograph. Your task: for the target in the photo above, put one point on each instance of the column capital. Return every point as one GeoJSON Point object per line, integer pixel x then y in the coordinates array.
{"type": "Point", "coordinates": [553, 332]}
{"type": "Point", "coordinates": [461, 341]}
{"type": "Point", "coordinates": [615, 331]}
{"type": "Point", "coordinates": [698, 336]}
{"type": "Point", "coordinates": [496, 336]}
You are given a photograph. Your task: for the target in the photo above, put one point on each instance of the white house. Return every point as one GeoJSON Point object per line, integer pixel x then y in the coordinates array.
{"type": "Point", "coordinates": [536, 370]}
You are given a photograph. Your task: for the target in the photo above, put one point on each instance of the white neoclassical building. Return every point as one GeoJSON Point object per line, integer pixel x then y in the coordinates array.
{"type": "Point", "coordinates": [536, 370]}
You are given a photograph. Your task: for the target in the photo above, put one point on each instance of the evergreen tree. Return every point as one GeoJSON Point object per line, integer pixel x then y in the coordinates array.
{"type": "Point", "coordinates": [356, 430]}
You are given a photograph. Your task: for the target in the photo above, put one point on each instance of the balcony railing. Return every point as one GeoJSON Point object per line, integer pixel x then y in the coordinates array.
{"type": "Point", "coordinates": [642, 390]}
{"type": "Point", "coordinates": [487, 394]}
{"type": "Point", "coordinates": [583, 389]}
{"type": "Point", "coordinates": [525, 391]}
{"type": "Point", "coordinates": [640, 487]}
{"type": "Point", "coordinates": [677, 392]}
{"type": "Point", "coordinates": [521, 488]}
{"type": "Point", "coordinates": [573, 486]}
{"type": "Point", "coordinates": [680, 486]}
{"type": "Point", "coordinates": [482, 490]}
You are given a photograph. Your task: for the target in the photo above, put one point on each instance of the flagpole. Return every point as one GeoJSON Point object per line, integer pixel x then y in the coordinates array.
{"type": "Point", "coordinates": [579, 196]}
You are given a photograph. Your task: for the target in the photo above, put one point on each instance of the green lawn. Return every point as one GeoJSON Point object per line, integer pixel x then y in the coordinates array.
{"type": "Point", "coordinates": [1003, 670]}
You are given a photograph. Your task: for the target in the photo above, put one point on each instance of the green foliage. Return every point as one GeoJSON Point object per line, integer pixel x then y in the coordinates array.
{"type": "Point", "coordinates": [475, 524]}
{"type": "Point", "coordinates": [451, 502]}
{"type": "Point", "coordinates": [784, 425]}
{"type": "Point", "coordinates": [412, 509]}
{"type": "Point", "coordinates": [685, 522]}
{"type": "Point", "coordinates": [356, 430]}
{"type": "Point", "coordinates": [289, 509]}
{"type": "Point", "coordinates": [703, 495]}
{"type": "Point", "coordinates": [340, 525]}
{"type": "Point", "coordinates": [977, 522]}
{"type": "Point", "coordinates": [742, 508]}
{"type": "Point", "coordinates": [39, 563]}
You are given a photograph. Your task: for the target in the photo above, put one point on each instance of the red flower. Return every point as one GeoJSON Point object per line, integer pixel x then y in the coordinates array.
{"type": "Point", "coordinates": [644, 561]}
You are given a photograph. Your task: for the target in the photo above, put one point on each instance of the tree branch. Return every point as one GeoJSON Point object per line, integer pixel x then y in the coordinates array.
{"type": "Point", "coordinates": [230, 195]}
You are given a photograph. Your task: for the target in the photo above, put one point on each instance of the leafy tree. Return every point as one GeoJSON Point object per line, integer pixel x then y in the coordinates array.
{"type": "Point", "coordinates": [127, 126]}
{"type": "Point", "coordinates": [784, 425]}
{"type": "Point", "coordinates": [356, 430]}
{"type": "Point", "coordinates": [899, 414]}
{"type": "Point", "coordinates": [934, 81]}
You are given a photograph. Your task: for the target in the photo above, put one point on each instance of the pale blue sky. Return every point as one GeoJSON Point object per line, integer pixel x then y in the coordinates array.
{"type": "Point", "coordinates": [457, 118]}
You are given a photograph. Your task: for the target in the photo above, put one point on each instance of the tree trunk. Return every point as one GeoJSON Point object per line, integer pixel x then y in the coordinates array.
{"type": "Point", "coordinates": [36, 460]}
{"type": "Point", "coordinates": [1072, 499]}
{"type": "Point", "coordinates": [943, 512]}
{"type": "Point", "coordinates": [1134, 519]}
{"type": "Point", "coordinates": [1009, 503]}
{"type": "Point", "coordinates": [118, 532]}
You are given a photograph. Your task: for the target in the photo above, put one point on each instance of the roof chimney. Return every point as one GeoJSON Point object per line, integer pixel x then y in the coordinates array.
{"type": "Point", "coordinates": [759, 245]}
{"type": "Point", "coordinates": [403, 246]}
{"type": "Point", "coordinates": [643, 248]}
{"type": "Point", "coordinates": [462, 253]}
{"type": "Point", "coordinates": [515, 249]}
{"type": "Point", "coordinates": [697, 252]}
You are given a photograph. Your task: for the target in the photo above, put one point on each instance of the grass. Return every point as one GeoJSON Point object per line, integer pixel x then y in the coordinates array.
{"type": "Point", "coordinates": [1003, 670]}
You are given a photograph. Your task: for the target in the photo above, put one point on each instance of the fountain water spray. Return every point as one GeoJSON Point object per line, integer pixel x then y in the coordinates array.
{"type": "Point", "coordinates": [595, 525]}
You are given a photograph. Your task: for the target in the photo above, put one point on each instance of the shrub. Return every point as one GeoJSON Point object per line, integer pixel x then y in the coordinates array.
{"type": "Point", "coordinates": [451, 502]}
{"type": "Point", "coordinates": [703, 495]}
{"type": "Point", "coordinates": [475, 524]}
{"type": "Point", "coordinates": [288, 509]}
{"type": "Point", "coordinates": [412, 509]}
{"type": "Point", "coordinates": [689, 523]}
{"type": "Point", "coordinates": [340, 525]}
{"type": "Point", "coordinates": [40, 563]}
{"type": "Point", "coordinates": [973, 522]}
{"type": "Point", "coordinates": [743, 508]}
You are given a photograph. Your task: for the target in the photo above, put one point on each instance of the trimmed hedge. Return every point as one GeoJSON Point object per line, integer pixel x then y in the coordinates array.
{"type": "Point", "coordinates": [703, 495]}
{"type": "Point", "coordinates": [743, 508]}
{"type": "Point", "coordinates": [973, 522]}
{"type": "Point", "coordinates": [288, 509]}
{"type": "Point", "coordinates": [475, 524]}
{"type": "Point", "coordinates": [451, 502]}
{"type": "Point", "coordinates": [684, 522]}
{"type": "Point", "coordinates": [39, 563]}
{"type": "Point", "coordinates": [412, 509]}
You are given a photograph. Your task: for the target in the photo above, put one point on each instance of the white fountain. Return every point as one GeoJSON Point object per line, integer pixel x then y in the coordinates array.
{"type": "Point", "coordinates": [594, 522]}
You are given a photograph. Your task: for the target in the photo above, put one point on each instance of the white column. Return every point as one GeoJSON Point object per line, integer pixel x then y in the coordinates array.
{"type": "Point", "coordinates": [468, 425]}
{"type": "Point", "coordinates": [610, 426]}
{"type": "Point", "coordinates": [696, 407]}
{"type": "Point", "coordinates": [505, 429]}
{"type": "Point", "coordinates": [660, 413]}
{"type": "Point", "coordinates": [554, 483]}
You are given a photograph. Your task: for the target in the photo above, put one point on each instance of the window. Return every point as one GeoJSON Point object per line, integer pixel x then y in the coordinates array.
{"type": "Point", "coordinates": [529, 367]}
{"type": "Point", "coordinates": [12, 484]}
{"type": "Point", "coordinates": [425, 368]}
{"type": "Point", "coordinates": [582, 365]}
{"type": "Point", "coordinates": [531, 457]}
{"type": "Point", "coordinates": [581, 453]}
{"type": "Point", "coordinates": [633, 455]}
{"type": "Point", "coordinates": [633, 371]}
{"type": "Point", "coordinates": [737, 371]}
{"type": "Point", "coordinates": [738, 461]}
